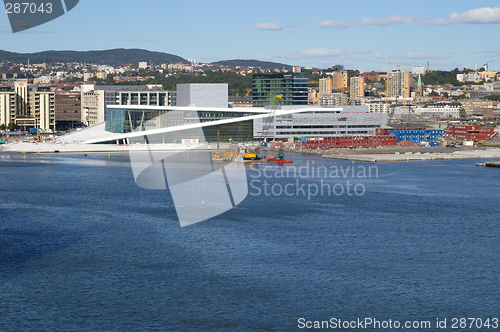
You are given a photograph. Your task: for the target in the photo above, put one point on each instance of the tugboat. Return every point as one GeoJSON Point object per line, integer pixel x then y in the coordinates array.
{"type": "Point", "coordinates": [280, 158]}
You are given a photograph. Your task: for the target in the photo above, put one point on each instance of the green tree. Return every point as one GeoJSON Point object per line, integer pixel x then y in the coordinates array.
{"type": "Point", "coordinates": [109, 79]}
{"type": "Point", "coordinates": [492, 97]}
{"type": "Point", "coordinates": [13, 126]}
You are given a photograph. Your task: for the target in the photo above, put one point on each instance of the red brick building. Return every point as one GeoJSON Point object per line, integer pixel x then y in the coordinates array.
{"type": "Point", "coordinates": [469, 133]}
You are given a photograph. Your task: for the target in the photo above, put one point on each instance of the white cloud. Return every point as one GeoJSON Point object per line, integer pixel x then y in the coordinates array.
{"type": "Point", "coordinates": [401, 19]}
{"type": "Point", "coordinates": [314, 53]}
{"type": "Point", "coordinates": [262, 57]}
{"type": "Point", "coordinates": [393, 19]}
{"type": "Point", "coordinates": [268, 26]}
{"type": "Point", "coordinates": [335, 24]}
{"type": "Point", "coordinates": [439, 21]}
{"type": "Point", "coordinates": [491, 52]}
{"type": "Point", "coordinates": [477, 16]}
{"type": "Point", "coordinates": [378, 55]}
{"type": "Point", "coordinates": [421, 56]}
{"type": "Point", "coordinates": [138, 40]}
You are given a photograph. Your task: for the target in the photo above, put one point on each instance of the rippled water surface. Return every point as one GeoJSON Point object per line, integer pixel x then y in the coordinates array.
{"type": "Point", "coordinates": [82, 248]}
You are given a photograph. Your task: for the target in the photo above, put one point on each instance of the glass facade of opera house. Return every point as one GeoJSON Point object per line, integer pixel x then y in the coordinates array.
{"type": "Point", "coordinates": [307, 122]}
{"type": "Point", "coordinates": [127, 120]}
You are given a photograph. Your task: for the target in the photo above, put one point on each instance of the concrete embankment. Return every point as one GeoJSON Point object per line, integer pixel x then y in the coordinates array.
{"type": "Point", "coordinates": [24, 147]}
{"type": "Point", "coordinates": [413, 156]}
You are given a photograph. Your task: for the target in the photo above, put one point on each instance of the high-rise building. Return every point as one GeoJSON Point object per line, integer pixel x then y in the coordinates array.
{"type": "Point", "coordinates": [399, 83]}
{"type": "Point", "coordinates": [340, 81]}
{"type": "Point", "coordinates": [280, 89]}
{"type": "Point", "coordinates": [41, 109]}
{"type": "Point", "coordinates": [27, 106]}
{"type": "Point", "coordinates": [325, 86]}
{"type": "Point", "coordinates": [68, 111]}
{"type": "Point", "coordinates": [343, 80]}
{"type": "Point", "coordinates": [357, 87]}
{"type": "Point", "coordinates": [7, 105]}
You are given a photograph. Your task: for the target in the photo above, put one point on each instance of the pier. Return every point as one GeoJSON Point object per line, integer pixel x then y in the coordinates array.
{"type": "Point", "coordinates": [489, 164]}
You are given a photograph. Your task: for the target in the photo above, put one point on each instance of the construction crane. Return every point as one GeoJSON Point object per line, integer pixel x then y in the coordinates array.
{"type": "Point", "coordinates": [404, 88]}
{"type": "Point", "coordinates": [274, 106]}
{"type": "Point", "coordinates": [354, 95]}
{"type": "Point", "coordinates": [398, 64]}
{"type": "Point", "coordinates": [387, 94]}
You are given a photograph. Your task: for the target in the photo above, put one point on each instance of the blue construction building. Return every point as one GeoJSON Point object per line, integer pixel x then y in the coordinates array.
{"type": "Point", "coordinates": [417, 136]}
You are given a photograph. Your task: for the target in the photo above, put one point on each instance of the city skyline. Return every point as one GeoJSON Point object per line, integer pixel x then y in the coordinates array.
{"type": "Point", "coordinates": [366, 36]}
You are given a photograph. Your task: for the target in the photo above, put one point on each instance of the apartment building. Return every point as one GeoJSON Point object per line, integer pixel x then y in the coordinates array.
{"type": "Point", "coordinates": [357, 87]}
{"type": "Point", "coordinates": [399, 84]}
{"type": "Point", "coordinates": [27, 106]}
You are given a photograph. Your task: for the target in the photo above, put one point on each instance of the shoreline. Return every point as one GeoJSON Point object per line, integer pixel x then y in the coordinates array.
{"type": "Point", "coordinates": [398, 154]}
{"type": "Point", "coordinates": [386, 154]}
{"type": "Point", "coordinates": [409, 156]}
{"type": "Point", "coordinates": [23, 147]}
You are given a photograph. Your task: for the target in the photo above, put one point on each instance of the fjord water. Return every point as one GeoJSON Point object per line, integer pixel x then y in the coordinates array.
{"type": "Point", "coordinates": [82, 248]}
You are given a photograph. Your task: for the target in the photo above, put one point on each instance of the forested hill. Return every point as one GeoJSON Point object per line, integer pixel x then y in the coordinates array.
{"type": "Point", "coordinates": [252, 63]}
{"type": "Point", "coordinates": [114, 57]}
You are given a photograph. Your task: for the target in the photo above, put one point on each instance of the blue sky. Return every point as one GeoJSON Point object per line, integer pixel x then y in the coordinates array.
{"type": "Point", "coordinates": [358, 34]}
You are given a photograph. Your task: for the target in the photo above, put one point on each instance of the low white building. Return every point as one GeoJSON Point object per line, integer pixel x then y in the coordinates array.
{"type": "Point", "coordinates": [316, 121]}
{"type": "Point", "coordinates": [442, 109]}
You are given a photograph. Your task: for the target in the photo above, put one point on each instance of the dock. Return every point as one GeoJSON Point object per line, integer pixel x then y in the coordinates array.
{"type": "Point", "coordinates": [489, 164]}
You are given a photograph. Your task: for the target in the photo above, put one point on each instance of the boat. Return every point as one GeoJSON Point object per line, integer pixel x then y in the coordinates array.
{"type": "Point", "coordinates": [280, 158]}
{"type": "Point", "coordinates": [280, 161]}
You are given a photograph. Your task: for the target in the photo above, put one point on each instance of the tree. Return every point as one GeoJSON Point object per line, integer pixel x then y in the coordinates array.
{"type": "Point", "coordinates": [462, 96]}
{"type": "Point", "coordinates": [13, 126]}
{"type": "Point", "coordinates": [492, 97]}
{"type": "Point", "coordinates": [109, 79]}
{"type": "Point", "coordinates": [353, 73]}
